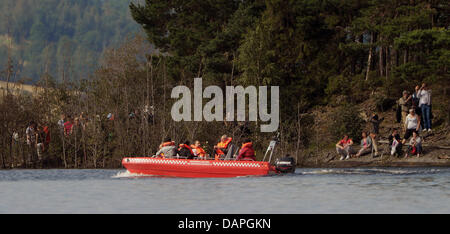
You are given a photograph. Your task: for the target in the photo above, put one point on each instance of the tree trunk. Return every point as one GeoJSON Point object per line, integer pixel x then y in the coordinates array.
{"type": "Point", "coordinates": [3, 155]}
{"type": "Point", "coordinates": [3, 160]}
{"type": "Point", "coordinates": [387, 62]}
{"type": "Point", "coordinates": [76, 152]}
{"type": "Point", "coordinates": [95, 155]}
{"type": "Point", "coordinates": [380, 63]}
{"type": "Point", "coordinates": [369, 60]}
{"type": "Point", "coordinates": [11, 158]}
{"type": "Point", "coordinates": [299, 133]}
{"type": "Point", "coordinates": [84, 149]}
{"type": "Point", "coordinates": [397, 58]}
{"type": "Point", "coordinates": [405, 56]}
{"type": "Point", "coordinates": [64, 151]}
{"type": "Point", "coordinates": [24, 157]}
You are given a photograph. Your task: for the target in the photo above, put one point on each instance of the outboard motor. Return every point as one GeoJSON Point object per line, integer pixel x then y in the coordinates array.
{"type": "Point", "coordinates": [282, 165]}
{"type": "Point", "coordinates": [285, 164]}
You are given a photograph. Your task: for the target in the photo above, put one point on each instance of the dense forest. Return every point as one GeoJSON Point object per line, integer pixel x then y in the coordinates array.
{"type": "Point", "coordinates": [330, 53]}
{"type": "Point", "coordinates": [61, 37]}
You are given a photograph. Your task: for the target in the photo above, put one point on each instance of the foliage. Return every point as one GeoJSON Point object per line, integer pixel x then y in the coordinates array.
{"type": "Point", "coordinates": [61, 36]}
{"type": "Point", "coordinates": [347, 121]}
{"type": "Point", "coordinates": [331, 52]}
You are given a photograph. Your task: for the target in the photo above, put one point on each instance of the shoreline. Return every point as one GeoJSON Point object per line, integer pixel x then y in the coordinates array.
{"type": "Point", "coordinates": [352, 163]}
{"type": "Point", "coordinates": [386, 161]}
{"type": "Point", "coordinates": [434, 155]}
{"type": "Point", "coordinates": [356, 164]}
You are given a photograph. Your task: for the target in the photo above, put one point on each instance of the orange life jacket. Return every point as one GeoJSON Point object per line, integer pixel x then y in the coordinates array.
{"type": "Point", "coordinates": [200, 151]}
{"type": "Point", "coordinates": [222, 145]}
{"type": "Point", "coordinates": [249, 144]}
{"type": "Point", "coordinates": [167, 144]}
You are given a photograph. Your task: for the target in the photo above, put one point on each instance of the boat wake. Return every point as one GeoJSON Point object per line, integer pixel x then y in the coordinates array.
{"type": "Point", "coordinates": [127, 174]}
{"type": "Point", "coordinates": [370, 171]}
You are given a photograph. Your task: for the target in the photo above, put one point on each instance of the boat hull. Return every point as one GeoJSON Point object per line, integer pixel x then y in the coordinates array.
{"type": "Point", "coordinates": [196, 168]}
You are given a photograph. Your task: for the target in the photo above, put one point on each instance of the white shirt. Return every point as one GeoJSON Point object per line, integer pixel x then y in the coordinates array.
{"type": "Point", "coordinates": [61, 123]}
{"type": "Point", "coordinates": [424, 97]}
{"type": "Point", "coordinates": [412, 121]}
{"type": "Point", "coordinates": [31, 135]}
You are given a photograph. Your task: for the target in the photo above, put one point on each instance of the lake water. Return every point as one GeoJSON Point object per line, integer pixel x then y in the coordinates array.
{"type": "Point", "coordinates": [368, 190]}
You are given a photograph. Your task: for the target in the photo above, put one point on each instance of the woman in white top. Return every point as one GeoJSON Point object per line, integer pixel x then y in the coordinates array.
{"type": "Point", "coordinates": [412, 124]}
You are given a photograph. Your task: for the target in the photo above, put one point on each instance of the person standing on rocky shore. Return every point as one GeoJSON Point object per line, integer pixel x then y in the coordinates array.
{"type": "Point", "coordinates": [31, 134]}
{"type": "Point", "coordinates": [375, 121]}
{"type": "Point", "coordinates": [405, 105]}
{"type": "Point", "coordinates": [424, 96]}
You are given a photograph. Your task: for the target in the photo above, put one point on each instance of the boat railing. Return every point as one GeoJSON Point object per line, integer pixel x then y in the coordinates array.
{"type": "Point", "coordinates": [197, 158]}
{"type": "Point", "coordinates": [270, 149]}
{"type": "Point", "coordinates": [233, 152]}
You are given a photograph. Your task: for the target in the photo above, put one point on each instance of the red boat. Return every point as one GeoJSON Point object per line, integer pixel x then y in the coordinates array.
{"type": "Point", "coordinates": [196, 168]}
{"type": "Point", "coordinates": [175, 167]}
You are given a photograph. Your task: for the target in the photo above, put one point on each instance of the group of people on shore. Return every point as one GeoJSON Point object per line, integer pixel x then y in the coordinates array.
{"type": "Point", "coordinates": [396, 143]}
{"type": "Point", "coordinates": [419, 102]}
{"type": "Point", "coordinates": [414, 114]}
{"type": "Point", "coordinates": [38, 134]}
{"type": "Point", "coordinates": [415, 118]}
{"type": "Point", "coordinates": [369, 141]}
{"type": "Point", "coordinates": [67, 124]}
{"type": "Point", "coordinates": [223, 149]}
{"type": "Point", "coordinates": [37, 139]}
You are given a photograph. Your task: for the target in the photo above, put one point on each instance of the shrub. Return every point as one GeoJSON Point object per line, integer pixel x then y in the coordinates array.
{"type": "Point", "coordinates": [383, 103]}
{"type": "Point", "coordinates": [347, 121]}
{"type": "Point", "coordinates": [338, 85]}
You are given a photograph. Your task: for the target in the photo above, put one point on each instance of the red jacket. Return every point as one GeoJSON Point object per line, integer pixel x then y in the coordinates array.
{"type": "Point", "coordinates": [247, 152]}
{"type": "Point", "coordinates": [185, 150]}
{"type": "Point", "coordinates": [47, 135]}
{"type": "Point", "coordinates": [68, 127]}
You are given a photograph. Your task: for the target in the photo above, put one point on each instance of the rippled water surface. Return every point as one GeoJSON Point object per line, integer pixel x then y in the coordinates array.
{"type": "Point", "coordinates": [368, 190]}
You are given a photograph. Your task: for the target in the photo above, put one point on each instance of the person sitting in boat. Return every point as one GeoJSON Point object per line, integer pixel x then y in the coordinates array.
{"type": "Point", "coordinates": [247, 153]}
{"type": "Point", "coordinates": [198, 150]}
{"type": "Point", "coordinates": [186, 151]}
{"type": "Point", "coordinates": [221, 148]}
{"type": "Point", "coordinates": [167, 149]}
